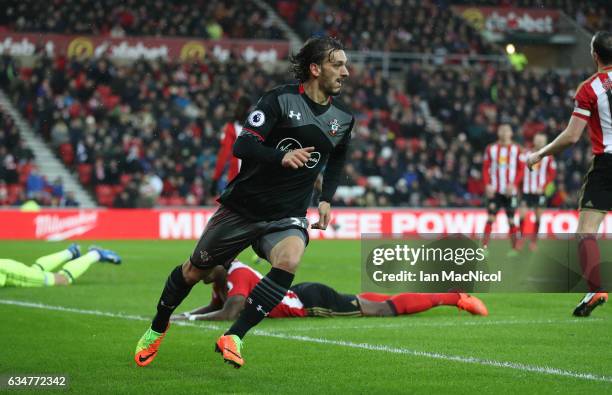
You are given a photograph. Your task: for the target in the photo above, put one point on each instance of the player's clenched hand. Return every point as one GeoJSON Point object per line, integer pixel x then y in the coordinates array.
{"type": "Point", "coordinates": [489, 191]}
{"type": "Point", "coordinates": [297, 158]}
{"type": "Point", "coordinates": [324, 216]}
{"type": "Point", "coordinates": [532, 159]}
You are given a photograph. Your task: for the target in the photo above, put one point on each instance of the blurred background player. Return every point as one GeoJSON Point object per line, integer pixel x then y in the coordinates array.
{"type": "Point", "coordinates": [593, 106]}
{"type": "Point", "coordinates": [225, 157]}
{"type": "Point", "coordinates": [534, 194]}
{"type": "Point", "coordinates": [40, 274]}
{"type": "Point", "coordinates": [231, 287]}
{"type": "Point", "coordinates": [502, 171]}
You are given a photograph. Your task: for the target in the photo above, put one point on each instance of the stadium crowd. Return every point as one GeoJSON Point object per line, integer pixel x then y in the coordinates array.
{"type": "Point", "coordinates": [212, 19]}
{"type": "Point", "coordinates": [418, 26]}
{"type": "Point", "coordinates": [406, 26]}
{"type": "Point", "coordinates": [148, 133]}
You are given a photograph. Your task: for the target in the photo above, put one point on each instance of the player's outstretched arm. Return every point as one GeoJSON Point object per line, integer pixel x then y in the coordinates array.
{"type": "Point", "coordinates": [249, 147]}
{"type": "Point", "coordinates": [230, 311]}
{"type": "Point", "coordinates": [566, 139]}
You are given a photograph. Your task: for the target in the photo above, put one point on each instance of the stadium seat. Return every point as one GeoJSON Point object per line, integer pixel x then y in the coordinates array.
{"type": "Point", "coordinates": [84, 170]}
{"type": "Point", "coordinates": [14, 191]}
{"type": "Point", "coordinates": [105, 195]}
{"type": "Point", "coordinates": [66, 153]}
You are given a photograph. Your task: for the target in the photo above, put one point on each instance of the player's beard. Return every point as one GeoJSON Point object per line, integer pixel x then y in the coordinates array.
{"type": "Point", "coordinates": [330, 87]}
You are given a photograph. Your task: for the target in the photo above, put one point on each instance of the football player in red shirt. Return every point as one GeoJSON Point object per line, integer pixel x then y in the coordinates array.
{"type": "Point", "coordinates": [593, 107]}
{"type": "Point", "coordinates": [230, 288]}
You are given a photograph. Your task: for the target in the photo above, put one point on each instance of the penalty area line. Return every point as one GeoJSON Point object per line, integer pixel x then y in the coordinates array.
{"type": "Point", "coordinates": [363, 346]}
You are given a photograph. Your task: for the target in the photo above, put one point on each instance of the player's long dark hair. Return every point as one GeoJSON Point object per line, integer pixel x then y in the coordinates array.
{"type": "Point", "coordinates": [314, 51]}
{"type": "Point", "coordinates": [602, 46]}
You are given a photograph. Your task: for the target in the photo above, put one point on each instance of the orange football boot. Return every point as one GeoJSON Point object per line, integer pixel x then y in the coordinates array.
{"type": "Point", "coordinates": [146, 349]}
{"type": "Point", "coordinates": [472, 305]}
{"type": "Point", "coordinates": [229, 346]}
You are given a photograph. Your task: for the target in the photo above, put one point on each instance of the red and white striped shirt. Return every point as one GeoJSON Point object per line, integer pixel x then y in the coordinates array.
{"type": "Point", "coordinates": [241, 279]}
{"type": "Point", "coordinates": [593, 103]}
{"type": "Point", "coordinates": [542, 174]}
{"type": "Point", "coordinates": [503, 166]}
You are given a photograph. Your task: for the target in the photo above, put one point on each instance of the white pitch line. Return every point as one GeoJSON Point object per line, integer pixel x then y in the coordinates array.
{"type": "Point", "coordinates": [458, 323]}
{"type": "Point", "coordinates": [363, 346]}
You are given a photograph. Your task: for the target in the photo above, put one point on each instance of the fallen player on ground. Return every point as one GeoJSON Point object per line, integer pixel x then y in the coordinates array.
{"type": "Point", "coordinates": [232, 287]}
{"type": "Point", "coordinates": [41, 273]}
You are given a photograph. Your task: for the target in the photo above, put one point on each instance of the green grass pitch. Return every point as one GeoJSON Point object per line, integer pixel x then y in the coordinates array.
{"type": "Point", "coordinates": [530, 343]}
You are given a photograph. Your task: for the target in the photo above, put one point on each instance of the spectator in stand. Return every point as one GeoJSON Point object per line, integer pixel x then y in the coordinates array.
{"type": "Point", "coordinates": [69, 200]}
{"type": "Point", "coordinates": [416, 142]}
{"type": "Point", "coordinates": [36, 185]}
{"type": "Point", "coordinates": [212, 19]}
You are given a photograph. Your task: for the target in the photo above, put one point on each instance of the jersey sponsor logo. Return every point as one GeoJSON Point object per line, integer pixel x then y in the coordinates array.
{"type": "Point", "coordinates": [257, 118]}
{"type": "Point", "coordinates": [335, 125]}
{"type": "Point", "coordinates": [289, 144]}
{"type": "Point", "coordinates": [296, 115]}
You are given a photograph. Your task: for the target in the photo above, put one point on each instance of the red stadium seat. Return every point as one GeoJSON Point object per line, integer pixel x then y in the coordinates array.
{"type": "Point", "coordinates": [105, 195]}
{"type": "Point", "coordinates": [14, 190]}
{"type": "Point", "coordinates": [66, 153]}
{"type": "Point", "coordinates": [84, 170]}
{"type": "Point", "coordinates": [125, 179]}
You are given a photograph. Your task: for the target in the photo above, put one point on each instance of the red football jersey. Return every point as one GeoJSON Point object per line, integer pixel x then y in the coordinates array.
{"type": "Point", "coordinates": [593, 103]}
{"type": "Point", "coordinates": [503, 166]}
{"type": "Point", "coordinates": [241, 279]}
{"type": "Point", "coordinates": [230, 134]}
{"type": "Point", "coordinates": [542, 174]}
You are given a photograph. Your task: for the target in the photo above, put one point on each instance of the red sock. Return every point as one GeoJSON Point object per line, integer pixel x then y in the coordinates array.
{"type": "Point", "coordinates": [410, 303]}
{"type": "Point", "coordinates": [588, 253]}
{"type": "Point", "coordinates": [374, 297]}
{"type": "Point", "coordinates": [487, 233]}
{"type": "Point", "coordinates": [534, 236]}
{"type": "Point", "coordinates": [513, 235]}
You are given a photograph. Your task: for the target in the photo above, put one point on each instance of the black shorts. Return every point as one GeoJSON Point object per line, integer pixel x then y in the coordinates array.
{"type": "Point", "coordinates": [319, 300]}
{"type": "Point", "coordinates": [508, 203]}
{"type": "Point", "coordinates": [596, 193]}
{"type": "Point", "coordinates": [228, 233]}
{"type": "Point", "coordinates": [534, 200]}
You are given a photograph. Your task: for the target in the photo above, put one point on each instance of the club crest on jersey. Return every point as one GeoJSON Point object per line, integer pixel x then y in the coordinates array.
{"type": "Point", "coordinates": [256, 118]}
{"type": "Point", "coordinates": [334, 125]}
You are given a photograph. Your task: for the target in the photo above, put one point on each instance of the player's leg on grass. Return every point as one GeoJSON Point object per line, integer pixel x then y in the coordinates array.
{"type": "Point", "coordinates": [510, 209]}
{"type": "Point", "coordinates": [224, 237]}
{"type": "Point", "coordinates": [51, 262]}
{"type": "Point", "coordinates": [284, 250]}
{"type": "Point", "coordinates": [536, 225]}
{"type": "Point", "coordinates": [75, 268]}
{"type": "Point", "coordinates": [523, 213]}
{"type": "Point", "coordinates": [17, 274]}
{"type": "Point", "coordinates": [589, 257]}
{"type": "Point", "coordinates": [492, 210]}
{"type": "Point", "coordinates": [412, 303]}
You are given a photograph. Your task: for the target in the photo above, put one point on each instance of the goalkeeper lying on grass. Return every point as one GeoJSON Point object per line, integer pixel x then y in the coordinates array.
{"type": "Point", "coordinates": [232, 287]}
{"type": "Point", "coordinates": [40, 274]}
